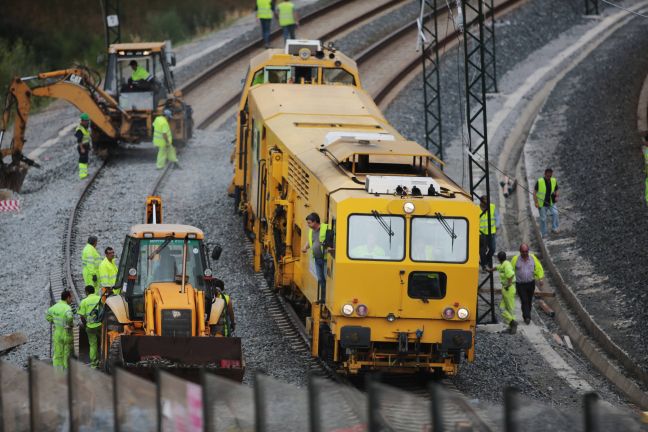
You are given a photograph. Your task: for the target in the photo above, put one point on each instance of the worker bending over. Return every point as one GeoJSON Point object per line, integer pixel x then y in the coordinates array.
{"type": "Point", "coordinates": [84, 142]}
{"type": "Point", "coordinates": [507, 278]}
{"type": "Point", "coordinates": [163, 140]}
{"type": "Point", "coordinates": [89, 312]}
{"type": "Point", "coordinates": [61, 316]}
{"type": "Point", "coordinates": [90, 260]}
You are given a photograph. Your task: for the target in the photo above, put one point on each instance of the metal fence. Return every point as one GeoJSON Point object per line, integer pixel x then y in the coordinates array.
{"type": "Point", "coordinates": [81, 399]}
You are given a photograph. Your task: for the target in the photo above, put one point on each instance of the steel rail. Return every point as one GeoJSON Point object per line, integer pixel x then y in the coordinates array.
{"type": "Point", "coordinates": [232, 101]}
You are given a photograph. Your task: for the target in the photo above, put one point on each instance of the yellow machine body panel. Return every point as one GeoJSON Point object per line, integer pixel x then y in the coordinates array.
{"type": "Point", "coordinates": [401, 283]}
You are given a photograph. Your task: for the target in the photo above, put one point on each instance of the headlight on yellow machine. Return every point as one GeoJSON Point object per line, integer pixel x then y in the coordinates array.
{"type": "Point", "coordinates": [462, 313]}
{"type": "Point", "coordinates": [347, 309]}
{"type": "Point", "coordinates": [362, 310]}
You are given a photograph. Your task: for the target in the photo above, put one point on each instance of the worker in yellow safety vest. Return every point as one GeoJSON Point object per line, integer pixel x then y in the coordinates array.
{"type": "Point", "coordinates": [163, 140]}
{"type": "Point", "coordinates": [139, 75]}
{"type": "Point", "coordinates": [545, 195]}
{"type": "Point", "coordinates": [319, 242]}
{"type": "Point", "coordinates": [61, 316]}
{"type": "Point", "coordinates": [264, 12]}
{"type": "Point", "coordinates": [288, 19]}
{"type": "Point", "coordinates": [108, 273]}
{"type": "Point", "coordinates": [89, 310]}
{"type": "Point", "coordinates": [84, 142]}
{"type": "Point", "coordinates": [487, 242]}
{"type": "Point", "coordinates": [507, 278]}
{"type": "Point", "coordinates": [90, 259]}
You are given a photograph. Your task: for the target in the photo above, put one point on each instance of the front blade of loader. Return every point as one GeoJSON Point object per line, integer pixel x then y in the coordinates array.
{"type": "Point", "coordinates": [183, 356]}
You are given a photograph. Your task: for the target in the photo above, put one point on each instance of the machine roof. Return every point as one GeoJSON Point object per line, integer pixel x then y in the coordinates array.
{"type": "Point", "coordinates": [136, 46]}
{"type": "Point", "coordinates": [164, 230]}
{"type": "Point", "coordinates": [303, 115]}
{"type": "Point", "coordinates": [267, 55]}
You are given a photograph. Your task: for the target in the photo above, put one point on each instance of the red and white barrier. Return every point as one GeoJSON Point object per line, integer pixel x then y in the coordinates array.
{"type": "Point", "coordinates": [9, 205]}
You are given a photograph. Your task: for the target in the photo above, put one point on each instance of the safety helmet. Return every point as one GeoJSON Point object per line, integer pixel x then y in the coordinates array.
{"type": "Point", "coordinates": [85, 116]}
{"type": "Point", "coordinates": [167, 113]}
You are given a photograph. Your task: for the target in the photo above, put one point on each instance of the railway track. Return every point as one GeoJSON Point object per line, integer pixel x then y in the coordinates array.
{"type": "Point", "coordinates": [285, 318]}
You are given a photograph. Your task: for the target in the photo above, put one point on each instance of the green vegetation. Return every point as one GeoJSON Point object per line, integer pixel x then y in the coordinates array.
{"type": "Point", "coordinates": [42, 35]}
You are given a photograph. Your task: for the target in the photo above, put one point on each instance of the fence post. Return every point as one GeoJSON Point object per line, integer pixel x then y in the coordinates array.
{"type": "Point", "coordinates": [115, 398]}
{"type": "Point", "coordinates": [314, 417]}
{"type": "Point", "coordinates": [373, 404]}
{"type": "Point", "coordinates": [589, 410]}
{"type": "Point", "coordinates": [70, 383]}
{"type": "Point", "coordinates": [259, 409]}
{"type": "Point", "coordinates": [435, 407]}
{"type": "Point", "coordinates": [510, 406]}
{"type": "Point", "coordinates": [158, 397]}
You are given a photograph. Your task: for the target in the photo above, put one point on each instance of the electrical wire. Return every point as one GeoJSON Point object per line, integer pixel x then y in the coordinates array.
{"type": "Point", "coordinates": [625, 9]}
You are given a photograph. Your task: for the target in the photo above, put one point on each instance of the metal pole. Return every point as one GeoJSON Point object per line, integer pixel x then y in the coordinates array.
{"type": "Point", "coordinates": [475, 77]}
{"type": "Point", "coordinates": [158, 399]}
{"type": "Point", "coordinates": [436, 409]}
{"type": "Point", "coordinates": [373, 404]}
{"type": "Point", "coordinates": [205, 401]}
{"type": "Point", "coordinates": [490, 48]}
{"type": "Point", "coordinates": [590, 401]}
{"type": "Point", "coordinates": [510, 395]}
{"type": "Point", "coordinates": [431, 79]}
{"type": "Point", "coordinates": [1, 402]}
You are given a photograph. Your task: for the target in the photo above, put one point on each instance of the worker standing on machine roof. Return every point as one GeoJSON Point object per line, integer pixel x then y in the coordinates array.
{"type": "Point", "coordinates": [89, 313]}
{"type": "Point", "coordinates": [288, 19]}
{"type": "Point", "coordinates": [84, 141]}
{"type": "Point", "coordinates": [61, 316]}
{"type": "Point", "coordinates": [90, 259]}
{"type": "Point", "coordinates": [265, 10]}
{"type": "Point", "coordinates": [108, 273]}
{"type": "Point", "coordinates": [163, 140]}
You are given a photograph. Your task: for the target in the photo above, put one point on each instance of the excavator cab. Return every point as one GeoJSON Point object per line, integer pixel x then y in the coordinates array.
{"type": "Point", "coordinates": [139, 75]}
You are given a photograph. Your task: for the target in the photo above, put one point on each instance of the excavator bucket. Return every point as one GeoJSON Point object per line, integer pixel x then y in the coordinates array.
{"type": "Point", "coordinates": [12, 176]}
{"type": "Point", "coordinates": [183, 356]}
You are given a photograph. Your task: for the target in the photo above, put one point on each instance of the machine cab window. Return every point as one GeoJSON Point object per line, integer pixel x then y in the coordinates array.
{"type": "Point", "coordinates": [439, 240]}
{"type": "Point", "coordinates": [337, 76]}
{"type": "Point", "coordinates": [376, 237]}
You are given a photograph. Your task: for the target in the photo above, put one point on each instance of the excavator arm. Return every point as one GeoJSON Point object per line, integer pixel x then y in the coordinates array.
{"type": "Point", "coordinates": [77, 86]}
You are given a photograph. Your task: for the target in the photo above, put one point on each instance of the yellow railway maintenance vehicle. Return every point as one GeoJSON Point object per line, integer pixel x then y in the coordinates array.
{"type": "Point", "coordinates": [169, 313]}
{"type": "Point", "coordinates": [401, 282]}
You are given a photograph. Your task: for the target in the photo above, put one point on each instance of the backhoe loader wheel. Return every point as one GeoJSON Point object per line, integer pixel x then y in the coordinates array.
{"type": "Point", "coordinates": [114, 356]}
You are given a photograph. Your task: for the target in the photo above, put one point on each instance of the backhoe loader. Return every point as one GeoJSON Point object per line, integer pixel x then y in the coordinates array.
{"type": "Point", "coordinates": [170, 313]}
{"type": "Point", "coordinates": [120, 109]}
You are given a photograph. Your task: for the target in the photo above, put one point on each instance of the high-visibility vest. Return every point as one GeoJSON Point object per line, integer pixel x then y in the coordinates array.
{"type": "Point", "coordinates": [86, 134]}
{"type": "Point", "coordinates": [645, 153]}
{"type": "Point", "coordinates": [483, 221]}
{"type": "Point", "coordinates": [160, 129]}
{"type": "Point", "coordinates": [322, 237]}
{"type": "Point", "coordinates": [140, 74]}
{"type": "Point", "coordinates": [264, 9]}
{"type": "Point", "coordinates": [90, 259]}
{"type": "Point", "coordinates": [60, 315]}
{"type": "Point", "coordinates": [107, 274]}
{"type": "Point", "coordinates": [506, 272]}
{"type": "Point", "coordinates": [542, 191]}
{"type": "Point", "coordinates": [286, 16]}
{"type": "Point", "coordinates": [89, 308]}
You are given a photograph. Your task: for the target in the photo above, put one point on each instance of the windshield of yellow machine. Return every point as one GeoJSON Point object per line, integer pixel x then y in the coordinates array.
{"type": "Point", "coordinates": [160, 260]}
{"type": "Point", "coordinates": [376, 237]}
{"type": "Point", "coordinates": [439, 239]}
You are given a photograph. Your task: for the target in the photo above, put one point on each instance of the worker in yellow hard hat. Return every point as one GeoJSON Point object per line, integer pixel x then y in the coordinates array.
{"type": "Point", "coordinates": [84, 141]}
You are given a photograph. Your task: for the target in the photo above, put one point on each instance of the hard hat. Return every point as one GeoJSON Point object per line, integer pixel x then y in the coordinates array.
{"type": "Point", "coordinates": [167, 113]}
{"type": "Point", "coordinates": [85, 116]}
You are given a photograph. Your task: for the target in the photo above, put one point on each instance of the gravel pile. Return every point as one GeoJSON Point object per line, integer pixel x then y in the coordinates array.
{"type": "Point", "coordinates": [588, 128]}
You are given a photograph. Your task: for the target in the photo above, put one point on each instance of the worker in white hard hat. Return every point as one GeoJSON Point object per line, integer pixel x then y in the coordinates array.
{"type": "Point", "coordinates": [163, 139]}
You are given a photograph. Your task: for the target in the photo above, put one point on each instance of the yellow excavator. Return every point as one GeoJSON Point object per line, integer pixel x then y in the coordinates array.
{"type": "Point", "coordinates": [171, 312]}
{"type": "Point", "coordinates": [121, 109]}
